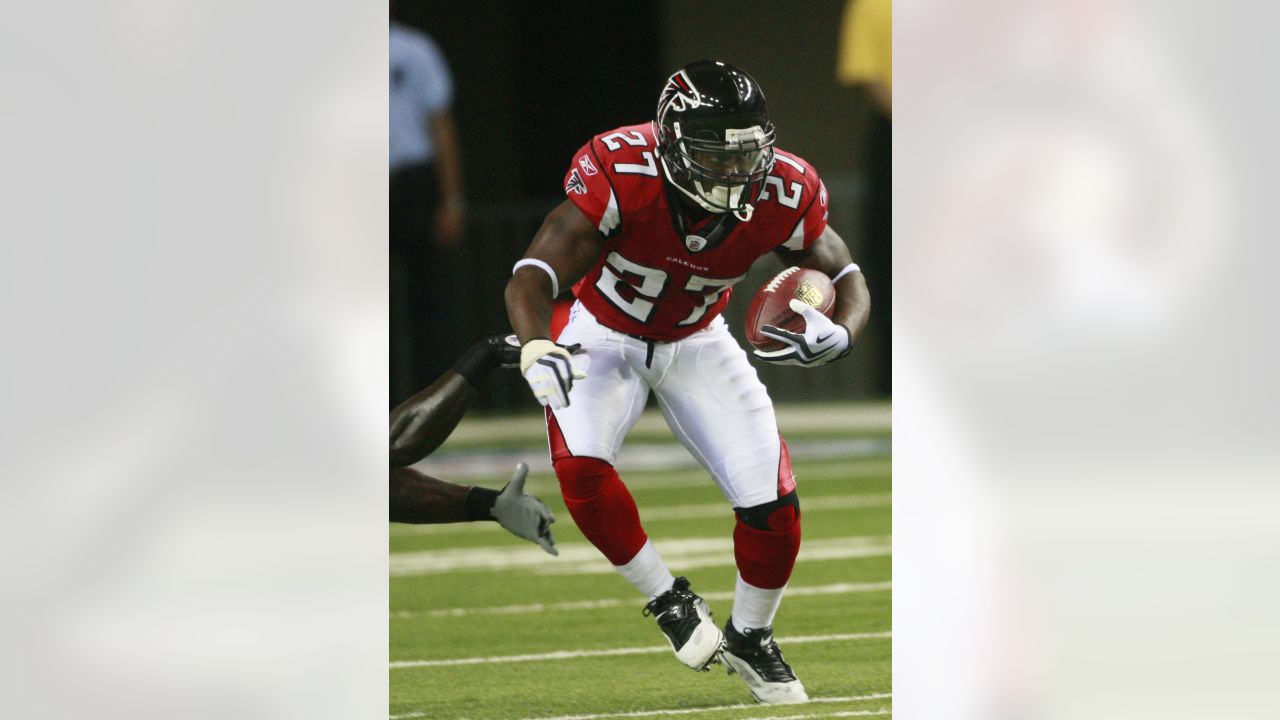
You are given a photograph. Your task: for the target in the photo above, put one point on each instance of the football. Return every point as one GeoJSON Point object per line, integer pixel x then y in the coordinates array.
{"type": "Point", "coordinates": [770, 306]}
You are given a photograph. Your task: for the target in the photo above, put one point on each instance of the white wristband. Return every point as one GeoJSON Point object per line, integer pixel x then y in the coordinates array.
{"type": "Point", "coordinates": [555, 284]}
{"type": "Point", "coordinates": [851, 267]}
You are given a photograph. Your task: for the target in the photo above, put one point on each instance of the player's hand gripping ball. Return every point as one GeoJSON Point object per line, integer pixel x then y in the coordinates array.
{"type": "Point", "coordinates": [789, 321]}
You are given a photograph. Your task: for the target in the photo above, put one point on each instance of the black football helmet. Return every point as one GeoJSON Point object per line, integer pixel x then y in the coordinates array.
{"type": "Point", "coordinates": [715, 140]}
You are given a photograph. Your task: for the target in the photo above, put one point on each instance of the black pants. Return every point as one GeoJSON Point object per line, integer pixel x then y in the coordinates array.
{"type": "Point", "coordinates": [422, 334]}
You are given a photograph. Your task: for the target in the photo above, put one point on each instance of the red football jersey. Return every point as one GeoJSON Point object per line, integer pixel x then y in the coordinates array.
{"type": "Point", "coordinates": [647, 282]}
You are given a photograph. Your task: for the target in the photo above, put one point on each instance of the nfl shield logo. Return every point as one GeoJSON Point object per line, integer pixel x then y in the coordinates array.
{"type": "Point", "coordinates": [694, 242]}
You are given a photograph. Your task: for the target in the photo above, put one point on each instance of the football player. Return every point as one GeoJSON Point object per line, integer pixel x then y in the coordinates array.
{"type": "Point", "coordinates": [420, 424]}
{"type": "Point", "coordinates": [660, 220]}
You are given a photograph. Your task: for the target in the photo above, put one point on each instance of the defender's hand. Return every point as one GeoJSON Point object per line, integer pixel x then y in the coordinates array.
{"type": "Point", "coordinates": [547, 368]}
{"type": "Point", "coordinates": [524, 515]}
{"type": "Point", "coordinates": [507, 349]}
{"type": "Point", "coordinates": [821, 342]}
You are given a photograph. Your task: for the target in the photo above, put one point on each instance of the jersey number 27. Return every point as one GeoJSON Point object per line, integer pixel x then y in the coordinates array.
{"type": "Point", "coordinates": [651, 284]}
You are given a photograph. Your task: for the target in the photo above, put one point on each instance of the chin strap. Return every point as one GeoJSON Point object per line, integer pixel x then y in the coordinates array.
{"type": "Point", "coordinates": [743, 215]}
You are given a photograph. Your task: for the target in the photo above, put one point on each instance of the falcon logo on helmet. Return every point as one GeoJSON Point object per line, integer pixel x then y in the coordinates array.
{"type": "Point", "coordinates": [715, 139]}
{"type": "Point", "coordinates": [678, 95]}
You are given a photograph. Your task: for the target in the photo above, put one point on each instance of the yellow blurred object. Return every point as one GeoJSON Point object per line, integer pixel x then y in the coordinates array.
{"type": "Point", "coordinates": [866, 45]}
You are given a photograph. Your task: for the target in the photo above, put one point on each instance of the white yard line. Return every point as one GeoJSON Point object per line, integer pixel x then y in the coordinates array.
{"type": "Point", "coordinates": [739, 706]}
{"type": "Point", "coordinates": [852, 468]}
{"type": "Point", "coordinates": [572, 654]}
{"type": "Point", "coordinates": [718, 708]}
{"type": "Point", "coordinates": [841, 714]}
{"type": "Point", "coordinates": [495, 464]}
{"type": "Point", "coordinates": [582, 558]}
{"type": "Point", "coordinates": [833, 589]}
{"type": "Point", "coordinates": [691, 711]}
{"type": "Point", "coordinates": [716, 509]}
{"type": "Point", "coordinates": [816, 550]}
{"type": "Point", "coordinates": [834, 502]}
{"type": "Point", "coordinates": [793, 418]}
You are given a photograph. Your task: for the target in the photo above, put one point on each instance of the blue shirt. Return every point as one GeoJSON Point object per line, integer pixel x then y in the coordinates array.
{"type": "Point", "coordinates": [420, 88]}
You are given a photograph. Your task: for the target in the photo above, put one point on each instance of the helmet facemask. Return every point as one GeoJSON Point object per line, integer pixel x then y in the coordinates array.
{"type": "Point", "coordinates": [721, 171]}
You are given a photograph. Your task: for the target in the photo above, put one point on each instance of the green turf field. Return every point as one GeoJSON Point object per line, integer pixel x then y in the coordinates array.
{"type": "Point", "coordinates": [484, 625]}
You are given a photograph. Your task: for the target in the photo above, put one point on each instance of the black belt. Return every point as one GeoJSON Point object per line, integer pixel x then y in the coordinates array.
{"type": "Point", "coordinates": [649, 343]}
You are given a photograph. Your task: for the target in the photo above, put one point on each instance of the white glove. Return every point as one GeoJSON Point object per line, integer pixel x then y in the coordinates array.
{"type": "Point", "coordinates": [821, 342]}
{"type": "Point", "coordinates": [524, 515]}
{"type": "Point", "coordinates": [549, 371]}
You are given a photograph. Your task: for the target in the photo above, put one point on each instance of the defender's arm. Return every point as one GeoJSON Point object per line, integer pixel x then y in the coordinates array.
{"type": "Point", "coordinates": [419, 498]}
{"type": "Point", "coordinates": [420, 424]}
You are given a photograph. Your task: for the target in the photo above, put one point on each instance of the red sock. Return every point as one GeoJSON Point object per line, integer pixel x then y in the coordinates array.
{"type": "Point", "coordinates": [766, 557]}
{"type": "Point", "coordinates": [601, 506]}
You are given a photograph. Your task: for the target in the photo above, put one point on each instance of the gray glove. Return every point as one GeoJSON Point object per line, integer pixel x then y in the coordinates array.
{"type": "Point", "coordinates": [524, 515]}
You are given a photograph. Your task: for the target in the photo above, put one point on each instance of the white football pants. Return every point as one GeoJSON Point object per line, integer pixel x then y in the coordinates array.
{"type": "Point", "coordinates": [709, 393]}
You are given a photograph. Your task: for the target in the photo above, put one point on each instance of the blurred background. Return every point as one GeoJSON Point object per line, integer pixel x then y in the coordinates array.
{"type": "Point", "coordinates": [508, 92]}
{"type": "Point", "coordinates": [194, 339]}
{"type": "Point", "coordinates": [543, 78]}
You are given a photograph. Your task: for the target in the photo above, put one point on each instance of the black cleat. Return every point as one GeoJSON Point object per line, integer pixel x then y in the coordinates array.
{"type": "Point", "coordinates": [755, 656]}
{"type": "Point", "coordinates": [686, 620]}
{"type": "Point", "coordinates": [506, 348]}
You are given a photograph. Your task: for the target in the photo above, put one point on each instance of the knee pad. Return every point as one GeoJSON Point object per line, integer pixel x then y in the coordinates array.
{"type": "Point", "coordinates": [780, 514]}
{"type": "Point", "coordinates": [766, 541]}
{"type": "Point", "coordinates": [583, 478]}
{"type": "Point", "coordinates": [601, 507]}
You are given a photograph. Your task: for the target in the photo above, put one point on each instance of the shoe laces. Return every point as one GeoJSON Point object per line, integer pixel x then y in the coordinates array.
{"type": "Point", "coordinates": [759, 646]}
{"type": "Point", "coordinates": [678, 594]}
